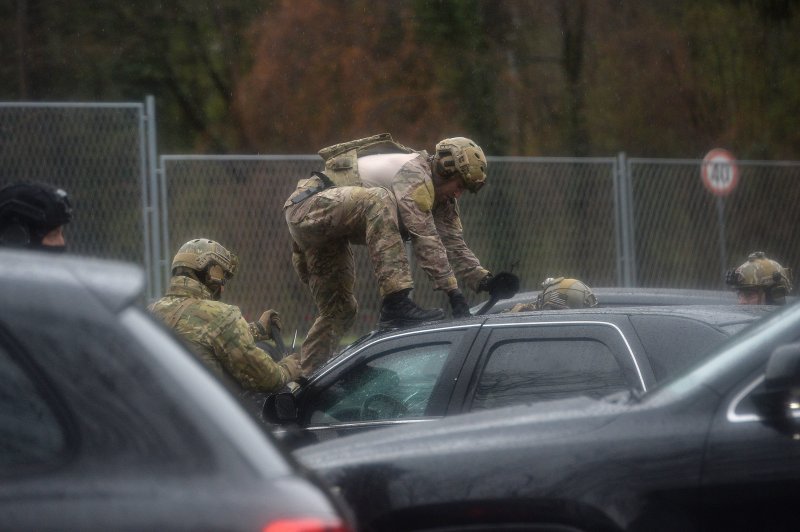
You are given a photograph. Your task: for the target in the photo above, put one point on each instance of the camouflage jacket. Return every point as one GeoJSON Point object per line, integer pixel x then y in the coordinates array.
{"type": "Point", "coordinates": [219, 336]}
{"type": "Point", "coordinates": [436, 233]}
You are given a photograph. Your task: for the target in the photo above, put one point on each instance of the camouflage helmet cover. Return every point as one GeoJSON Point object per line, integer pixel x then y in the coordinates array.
{"type": "Point", "coordinates": [561, 293]}
{"type": "Point", "coordinates": [759, 272]}
{"type": "Point", "coordinates": [201, 253]}
{"type": "Point", "coordinates": [461, 156]}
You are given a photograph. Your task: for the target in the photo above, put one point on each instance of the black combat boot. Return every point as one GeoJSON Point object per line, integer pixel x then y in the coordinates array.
{"type": "Point", "coordinates": [399, 311]}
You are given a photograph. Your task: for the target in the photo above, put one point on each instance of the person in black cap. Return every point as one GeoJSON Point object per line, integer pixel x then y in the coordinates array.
{"type": "Point", "coordinates": [33, 215]}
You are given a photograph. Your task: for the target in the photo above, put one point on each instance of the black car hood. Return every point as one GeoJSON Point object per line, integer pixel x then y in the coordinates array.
{"type": "Point", "coordinates": [552, 420]}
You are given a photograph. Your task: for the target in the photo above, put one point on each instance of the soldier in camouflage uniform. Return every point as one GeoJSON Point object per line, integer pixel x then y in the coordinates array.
{"type": "Point", "coordinates": [377, 192]}
{"type": "Point", "coordinates": [215, 331]}
{"type": "Point", "coordinates": [760, 281]}
{"type": "Point", "coordinates": [560, 293]}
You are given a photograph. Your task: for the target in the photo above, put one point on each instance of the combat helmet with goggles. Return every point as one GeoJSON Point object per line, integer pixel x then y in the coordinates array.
{"type": "Point", "coordinates": [460, 156]}
{"type": "Point", "coordinates": [208, 258]}
{"type": "Point", "coordinates": [762, 273]}
{"type": "Point", "coordinates": [562, 293]}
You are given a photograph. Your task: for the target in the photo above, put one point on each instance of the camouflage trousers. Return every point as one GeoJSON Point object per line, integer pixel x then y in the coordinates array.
{"type": "Point", "coordinates": [323, 228]}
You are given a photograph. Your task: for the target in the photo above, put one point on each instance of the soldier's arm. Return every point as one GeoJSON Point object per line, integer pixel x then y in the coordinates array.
{"type": "Point", "coordinates": [415, 196]}
{"type": "Point", "coordinates": [465, 264]}
{"type": "Point", "coordinates": [249, 365]}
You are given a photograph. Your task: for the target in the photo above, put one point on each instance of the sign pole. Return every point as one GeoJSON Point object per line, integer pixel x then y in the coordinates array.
{"type": "Point", "coordinates": [723, 248]}
{"type": "Point", "coordinates": [720, 175]}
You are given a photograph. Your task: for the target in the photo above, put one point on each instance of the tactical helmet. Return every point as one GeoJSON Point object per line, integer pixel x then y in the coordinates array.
{"type": "Point", "coordinates": [204, 255]}
{"type": "Point", "coordinates": [461, 156]}
{"type": "Point", "coordinates": [761, 273]}
{"type": "Point", "coordinates": [28, 211]}
{"type": "Point", "coordinates": [560, 293]}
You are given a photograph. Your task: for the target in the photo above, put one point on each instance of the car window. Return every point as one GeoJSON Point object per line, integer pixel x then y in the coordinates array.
{"type": "Point", "coordinates": [119, 404]}
{"type": "Point", "coordinates": [394, 384]}
{"type": "Point", "coordinates": [29, 431]}
{"type": "Point", "coordinates": [675, 343]}
{"type": "Point", "coordinates": [544, 369]}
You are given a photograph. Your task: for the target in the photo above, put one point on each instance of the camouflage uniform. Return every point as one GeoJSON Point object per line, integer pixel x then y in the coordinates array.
{"type": "Point", "coordinates": [374, 212]}
{"type": "Point", "coordinates": [220, 336]}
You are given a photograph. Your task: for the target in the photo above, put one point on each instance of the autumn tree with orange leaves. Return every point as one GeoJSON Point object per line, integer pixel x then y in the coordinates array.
{"type": "Point", "coordinates": [663, 78]}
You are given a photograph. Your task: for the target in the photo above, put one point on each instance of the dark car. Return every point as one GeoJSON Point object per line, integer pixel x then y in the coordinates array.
{"type": "Point", "coordinates": [716, 448]}
{"type": "Point", "coordinates": [108, 423]}
{"type": "Point", "coordinates": [630, 297]}
{"type": "Point", "coordinates": [445, 368]}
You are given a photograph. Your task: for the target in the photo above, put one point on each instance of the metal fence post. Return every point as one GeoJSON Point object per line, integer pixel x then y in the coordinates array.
{"type": "Point", "coordinates": [166, 250]}
{"type": "Point", "coordinates": [146, 218]}
{"type": "Point", "coordinates": [616, 183]}
{"type": "Point", "coordinates": [623, 197]}
{"type": "Point", "coordinates": [156, 288]}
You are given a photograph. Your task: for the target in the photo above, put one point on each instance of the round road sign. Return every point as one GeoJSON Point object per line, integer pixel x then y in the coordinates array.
{"type": "Point", "coordinates": [719, 172]}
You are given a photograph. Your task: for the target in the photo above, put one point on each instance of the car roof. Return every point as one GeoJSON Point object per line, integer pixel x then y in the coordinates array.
{"type": "Point", "coordinates": [629, 296]}
{"type": "Point", "coordinates": [34, 274]}
{"type": "Point", "coordinates": [712, 314]}
{"type": "Point", "coordinates": [715, 315]}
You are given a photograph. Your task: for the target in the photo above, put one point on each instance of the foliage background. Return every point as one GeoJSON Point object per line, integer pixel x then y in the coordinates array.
{"type": "Point", "coordinates": [656, 78]}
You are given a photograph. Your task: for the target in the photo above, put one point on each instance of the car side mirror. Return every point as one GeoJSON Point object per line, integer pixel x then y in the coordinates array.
{"type": "Point", "coordinates": [779, 398]}
{"type": "Point", "coordinates": [280, 408]}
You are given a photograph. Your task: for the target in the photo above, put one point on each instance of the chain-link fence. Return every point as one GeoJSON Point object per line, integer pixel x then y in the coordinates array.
{"type": "Point", "coordinates": [607, 221]}
{"type": "Point", "coordinates": [238, 202]}
{"type": "Point", "coordinates": [687, 237]}
{"type": "Point", "coordinates": [541, 217]}
{"type": "Point", "coordinates": [96, 152]}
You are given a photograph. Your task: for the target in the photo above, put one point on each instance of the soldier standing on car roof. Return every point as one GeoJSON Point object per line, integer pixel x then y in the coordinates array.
{"type": "Point", "coordinates": [215, 331]}
{"type": "Point", "coordinates": [760, 281]}
{"type": "Point", "coordinates": [33, 216]}
{"type": "Point", "coordinates": [377, 192]}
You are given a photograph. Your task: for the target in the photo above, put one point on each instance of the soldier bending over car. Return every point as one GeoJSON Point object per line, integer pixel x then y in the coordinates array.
{"type": "Point", "coordinates": [377, 192]}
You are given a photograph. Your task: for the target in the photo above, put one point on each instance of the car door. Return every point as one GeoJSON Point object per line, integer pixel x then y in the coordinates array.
{"type": "Point", "coordinates": [407, 377]}
{"type": "Point", "coordinates": [751, 472]}
{"type": "Point", "coordinates": [526, 362]}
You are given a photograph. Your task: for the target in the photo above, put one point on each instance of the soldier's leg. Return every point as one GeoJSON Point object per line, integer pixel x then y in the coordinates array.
{"type": "Point", "coordinates": [331, 275]}
{"type": "Point", "coordinates": [374, 212]}
{"type": "Point", "coordinates": [378, 213]}
{"type": "Point", "coordinates": [363, 216]}
{"type": "Point", "coordinates": [320, 227]}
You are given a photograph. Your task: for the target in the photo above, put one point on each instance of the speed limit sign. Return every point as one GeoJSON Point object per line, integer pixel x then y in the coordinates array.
{"type": "Point", "coordinates": [719, 172]}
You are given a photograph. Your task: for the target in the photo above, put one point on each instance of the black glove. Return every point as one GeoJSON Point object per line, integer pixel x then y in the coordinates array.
{"type": "Point", "coordinates": [459, 304]}
{"type": "Point", "coordinates": [502, 286]}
